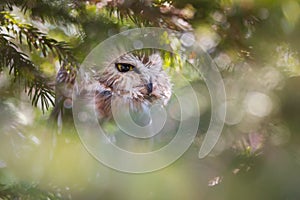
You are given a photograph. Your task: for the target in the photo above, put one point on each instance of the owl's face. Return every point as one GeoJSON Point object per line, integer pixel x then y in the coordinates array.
{"type": "Point", "coordinates": [138, 78]}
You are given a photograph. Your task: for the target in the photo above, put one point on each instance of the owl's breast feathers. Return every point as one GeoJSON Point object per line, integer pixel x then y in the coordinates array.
{"type": "Point", "coordinates": [102, 100]}
{"type": "Point", "coordinates": [136, 98]}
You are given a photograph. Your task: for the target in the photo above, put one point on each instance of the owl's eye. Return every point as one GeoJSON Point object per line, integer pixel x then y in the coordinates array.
{"type": "Point", "coordinates": [124, 67]}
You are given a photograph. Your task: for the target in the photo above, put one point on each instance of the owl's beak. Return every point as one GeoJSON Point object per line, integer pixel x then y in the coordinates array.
{"type": "Point", "coordinates": [149, 87]}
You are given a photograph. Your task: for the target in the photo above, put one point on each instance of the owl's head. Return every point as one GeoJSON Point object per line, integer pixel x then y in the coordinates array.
{"type": "Point", "coordinates": [138, 77]}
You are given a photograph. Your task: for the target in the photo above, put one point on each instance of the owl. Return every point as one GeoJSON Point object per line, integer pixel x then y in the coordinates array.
{"type": "Point", "coordinates": [133, 80]}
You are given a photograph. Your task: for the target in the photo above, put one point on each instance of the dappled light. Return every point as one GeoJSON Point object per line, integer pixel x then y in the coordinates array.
{"type": "Point", "coordinates": [238, 56]}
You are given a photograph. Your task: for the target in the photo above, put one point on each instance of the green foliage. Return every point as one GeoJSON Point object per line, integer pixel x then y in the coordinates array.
{"type": "Point", "coordinates": [25, 72]}
{"type": "Point", "coordinates": [36, 39]}
{"type": "Point", "coordinates": [36, 84]}
{"type": "Point", "coordinates": [25, 192]}
{"type": "Point", "coordinates": [54, 11]}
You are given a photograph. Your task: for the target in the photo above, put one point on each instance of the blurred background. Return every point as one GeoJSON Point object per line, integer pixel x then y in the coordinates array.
{"type": "Point", "coordinates": [255, 44]}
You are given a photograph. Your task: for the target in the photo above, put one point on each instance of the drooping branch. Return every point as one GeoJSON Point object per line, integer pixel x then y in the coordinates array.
{"type": "Point", "coordinates": [24, 71]}
{"type": "Point", "coordinates": [56, 11]}
{"type": "Point", "coordinates": [19, 64]}
{"type": "Point", "coordinates": [36, 39]}
{"type": "Point", "coordinates": [148, 13]}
